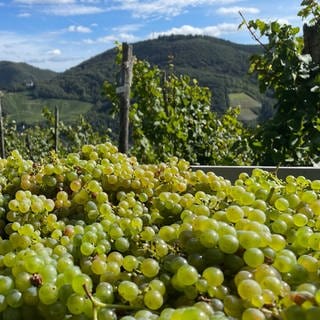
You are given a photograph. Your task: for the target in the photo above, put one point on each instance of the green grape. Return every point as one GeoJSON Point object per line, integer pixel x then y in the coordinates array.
{"type": "Point", "coordinates": [48, 293]}
{"type": "Point", "coordinates": [122, 244]}
{"type": "Point", "coordinates": [209, 238]}
{"type": "Point", "coordinates": [283, 263]}
{"type": "Point", "coordinates": [214, 276]}
{"type": "Point", "coordinates": [158, 285]}
{"type": "Point", "coordinates": [75, 303]}
{"type": "Point", "coordinates": [130, 263]}
{"type": "Point", "coordinates": [279, 226]}
{"type": "Point", "coordinates": [9, 259]}
{"type": "Point", "coordinates": [265, 270]}
{"type": "Point", "coordinates": [272, 283]}
{"type": "Point", "coordinates": [48, 273]}
{"type": "Point", "coordinates": [63, 263]}
{"type": "Point", "coordinates": [228, 243]}
{"type": "Point", "coordinates": [87, 248]}
{"type": "Point", "coordinates": [167, 233]}
{"type": "Point", "coordinates": [249, 239]}
{"type": "Point", "coordinates": [33, 264]}
{"type": "Point", "coordinates": [253, 314]}
{"type": "Point", "coordinates": [14, 298]}
{"type": "Point", "coordinates": [6, 284]}
{"type": "Point", "coordinates": [253, 257]}
{"type": "Point", "coordinates": [149, 267]}
{"type": "Point", "coordinates": [144, 314]}
{"type": "Point", "coordinates": [233, 306]}
{"type": "Point", "coordinates": [166, 314]}
{"type": "Point", "coordinates": [79, 281]}
{"type": "Point", "coordinates": [30, 296]}
{"type": "Point", "coordinates": [300, 220]}
{"type": "Point", "coordinates": [128, 290]}
{"type": "Point", "coordinates": [98, 266]}
{"type": "Point", "coordinates": [104, 292]}
{"type": "Point", "coordinates": [242, 275]}
{"type": "Point", "coordinates": [193, 313]}
{"type": "Point", "coordinates": [278, 242]}
{"type": "Point", "coordinates": [187, 275]}
{"type": "Point", "coordinates": [106, 314]}
{"type": "Point", "coordinates": [257, 215]}
{"type": "Point", "coordinates": [234, 213]}
{"type": "Point", "coordinates": [249, 288]}
{"type": "Point", "coordinates": [308, 196]}
{"type": "Point", "coordinates": [282, 204]}
{"type": "Point", "coordinates": [310, 263]}
{"type": "Point", "coordinates": [153, 299]}
{"type": "Point", "coordinates": [22, 281]}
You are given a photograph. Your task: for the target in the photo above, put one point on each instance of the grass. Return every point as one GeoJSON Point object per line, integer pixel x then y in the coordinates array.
{"type": "Point", "coordinates": [249, 107]}
{"type": "Point", "coordinates": [23, 108]}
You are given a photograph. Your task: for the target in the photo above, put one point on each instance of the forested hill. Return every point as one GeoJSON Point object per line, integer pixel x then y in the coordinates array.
{"type": "Point", "coordinates": [19, 76]}
{"type": "Point", "coordinates": [220, 65]}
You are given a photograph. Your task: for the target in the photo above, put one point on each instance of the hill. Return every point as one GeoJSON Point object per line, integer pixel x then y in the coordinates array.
{"type": "Point", "coordinates": [218, 64]}
{"type": "Point", "coordinates": [22, 76]}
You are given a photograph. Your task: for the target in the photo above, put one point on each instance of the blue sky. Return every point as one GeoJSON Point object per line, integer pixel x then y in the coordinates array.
{"type": "Point", "coordinates": [59, 34]}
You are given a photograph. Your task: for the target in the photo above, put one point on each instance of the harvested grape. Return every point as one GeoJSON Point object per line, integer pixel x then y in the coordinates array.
{"type": "Point", "coordinates": [96, 235]}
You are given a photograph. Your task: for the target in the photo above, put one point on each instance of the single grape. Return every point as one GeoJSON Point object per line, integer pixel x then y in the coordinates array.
{"type": "Point", "coordinates": [128, 290]}
{"type": "Point", "coordinates": [153, 299]}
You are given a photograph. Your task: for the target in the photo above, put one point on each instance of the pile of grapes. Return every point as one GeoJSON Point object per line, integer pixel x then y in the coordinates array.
{"type": "Point", "coordinates": [96, 235]}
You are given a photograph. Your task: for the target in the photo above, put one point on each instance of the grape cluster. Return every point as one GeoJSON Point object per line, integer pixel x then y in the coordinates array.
{"type": "Point", "coordinates": [96, 235]}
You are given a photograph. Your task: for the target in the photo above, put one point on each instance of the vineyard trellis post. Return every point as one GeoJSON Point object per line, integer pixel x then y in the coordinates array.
{"type": "Point", "coordinates": [3, 152]}
{"type": "Point", "coordinates": [123, 90]}
{"type": "Point", "coordinates": [311, 38]}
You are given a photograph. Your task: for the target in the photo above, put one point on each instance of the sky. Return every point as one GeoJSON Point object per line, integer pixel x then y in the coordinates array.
{"type": "Point", "coordinates": [60, 34]}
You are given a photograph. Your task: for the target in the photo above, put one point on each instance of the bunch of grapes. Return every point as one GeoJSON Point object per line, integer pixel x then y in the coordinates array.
{"type": "Point", "coordinates": [96, 235]}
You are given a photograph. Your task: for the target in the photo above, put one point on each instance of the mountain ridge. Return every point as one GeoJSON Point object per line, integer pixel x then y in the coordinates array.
{"type": "Point", "coordinates": [17, 76]}
{"type": "Point", "coordinates": [218, 64]}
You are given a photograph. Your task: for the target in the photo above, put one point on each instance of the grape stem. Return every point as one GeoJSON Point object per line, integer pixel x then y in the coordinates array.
{"type": "Point", "coordinates": [270, 194]}
{"type": "Point", "coordinates": [96, 304]}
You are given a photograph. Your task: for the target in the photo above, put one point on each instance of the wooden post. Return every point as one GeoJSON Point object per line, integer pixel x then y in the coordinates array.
{"type": "Point", "coordinates": [56, 130]}
{"type": "Point", "coordinates": [311, 38]}
{"type": "Point", "coordinates": [3, 151]}
{"type": "Point", "coordinates": [124, 93]}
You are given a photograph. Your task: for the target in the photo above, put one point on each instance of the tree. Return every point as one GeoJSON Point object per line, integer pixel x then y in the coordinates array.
{"type": "Point", "coordinates": [284, 68]}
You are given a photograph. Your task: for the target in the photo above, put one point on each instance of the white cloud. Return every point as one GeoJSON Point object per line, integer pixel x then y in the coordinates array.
{"type": "Point", "coordinates": [236, 10]}
{"type": "Point", "coordinates": [36, 50]}
{"type": "Point", "coordinates": [112, 38]}
{"type": "Point", "coordinates": [73, 10]}
{"type": "Point", "coordinates": [213, 31]}
{"type": "Point", "coordinates": [80, 29]}
{"type": "Point", "coordinates": [119, 37]}
{"type": "Point", "coordinates": [127, 28]}
{"type": "Point", "coordinates": [138, 8]}
{"type": "Point", "coordinates": [90, 1]}
{"type": "Point", "coordinates": [24, 15]}
{"type": "Point", "coordinates": [157, 8]}
{"type": "Point", "coordinates": [54, 52]}
{"type": "Point", "coordinates": [45, 2]}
